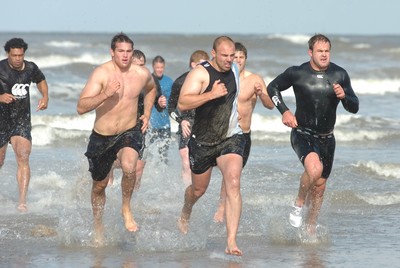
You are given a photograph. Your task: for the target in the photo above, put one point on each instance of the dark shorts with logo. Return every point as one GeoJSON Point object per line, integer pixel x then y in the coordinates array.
{"type": "Point", "coordinates": [17, 129]}
{"type": "Point", "coordinates": [102, 150]}
{"type": "Point", "coordinates": [202, 157]}
{"type": "Point", "coordinates": [304, 142]}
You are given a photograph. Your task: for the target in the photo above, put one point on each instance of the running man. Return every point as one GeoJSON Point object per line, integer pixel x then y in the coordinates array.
{"type": "Point", "coordinates": [113, 91]}
{"type": "Point", "coordinates": [139, 58]}
{"type": "Point", "coordinates": [216, 139]}
{"type": "Point", "coordinates": [16, 76]}
{"type": "Point", "coordinates": [319, 85]}
{"type": "Point", "coordinates": [251, 86]}
{"type": "Point", "coordinates": [184, 119]}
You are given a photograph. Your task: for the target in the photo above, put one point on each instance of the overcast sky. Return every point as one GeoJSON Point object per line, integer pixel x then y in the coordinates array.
{"type": "Point", "coordinates": [205, 16]}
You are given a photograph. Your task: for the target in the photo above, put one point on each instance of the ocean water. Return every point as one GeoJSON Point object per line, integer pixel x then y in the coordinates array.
{"type": "Point", "coordinates": [359, 222]}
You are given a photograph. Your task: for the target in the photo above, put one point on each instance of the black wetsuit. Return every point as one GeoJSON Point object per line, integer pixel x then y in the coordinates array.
{"type": "Point", "coordinates": [174, 113]}
{"type": "Point", "coordinates": [316, 105]}
{"type": "Point", "coordinates": [15, 117]}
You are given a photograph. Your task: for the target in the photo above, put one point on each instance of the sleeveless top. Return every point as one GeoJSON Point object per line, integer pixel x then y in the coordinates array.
{"type": "Point", "coordinates": [217, 120]}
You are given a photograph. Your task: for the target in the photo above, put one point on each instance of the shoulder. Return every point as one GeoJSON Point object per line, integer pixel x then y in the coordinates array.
{"type": "Point", "coordinates": [335, 67]}
{"type": "Point", "coordinates": [181, 78]}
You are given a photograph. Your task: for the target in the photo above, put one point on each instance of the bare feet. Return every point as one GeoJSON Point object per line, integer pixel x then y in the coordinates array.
{"type": "Point", "coordinates": [219, 214]}
{"type": "Point", "coordinates": [183, 225]}
{"type": "Point", "coordinates": [22, 208]}
{"type": "Point", "coordinates": [130, 223]}
{"type": "Point", "coordinates": [233, 251]}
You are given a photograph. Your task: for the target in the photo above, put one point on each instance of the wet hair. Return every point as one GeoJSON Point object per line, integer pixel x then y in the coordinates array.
{"type": "Point", "coordinates": [15, 43]}
{"type": "Point", "coordinates": [120, 38]}
{"type": "Point", "coordinates": [240, 47]}
{"type": "Point", "coordinates": [318, 38]}
{"type": "Point", "coordinates": [221, 39]}
{"type": "Point", "coordinates": [197, 56]}
{"type": "Point", "coordinates": [158, 59]}
{"type": "Point", "coordinates": [138, 54]}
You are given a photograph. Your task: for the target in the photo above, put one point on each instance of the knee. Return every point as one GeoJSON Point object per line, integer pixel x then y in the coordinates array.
{"type": "Point", "coordinates": [128, 168]}
{"type": "Point", "coordinates": [314, 170]}
{"type": "Point", "coordinates": [320, 186]}
{"type": "Point", "coordinates": [99, 187]}
{"type": "Point", "coordinates": [198, 192]}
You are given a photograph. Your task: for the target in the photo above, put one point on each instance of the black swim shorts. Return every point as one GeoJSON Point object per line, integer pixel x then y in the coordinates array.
{"type": "Point", "coordinates": [102, 150]}
{"type": "Point", "coordinates": [202, 157]}
{"type": "Point", "coordinates": [246, 153]}
{"type": "Point", "coordinates": [305, 142]}
{"type": "Point", "coordinates": [17, 129]}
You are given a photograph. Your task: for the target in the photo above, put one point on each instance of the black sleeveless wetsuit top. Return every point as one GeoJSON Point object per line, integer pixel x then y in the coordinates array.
{"type": "Point", "coordinates": [216, 120]}
{"type": "Point", "coordinates": [18, 84]}
{"type": "Point", "coordinates": [316, 101]}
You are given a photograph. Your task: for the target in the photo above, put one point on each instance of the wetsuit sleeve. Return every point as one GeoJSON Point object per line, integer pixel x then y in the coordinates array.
{"type": "Point", "coordinates": [280, 83]}
{"type": "Point", "coordinates": [159, 93]}
{"type": "Point", "coordinates": [38, 75]}
{"type": "Point", "coordinates": [350, 101]}
{"type": "Point", "coordinates": [173, 101]}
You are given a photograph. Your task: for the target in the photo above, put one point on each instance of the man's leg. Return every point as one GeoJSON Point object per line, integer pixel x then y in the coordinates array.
{"type": "Point", "coordinates": [220, 213]}
{"type": "Point", "coordinates": [192, 194]}
{"type": "Point", "coordinates": [312, 172]}
{"type": "Point", "coordinates": [231, 168]}
{"type": "Point", "coordinates": [316, 197]}
{"type": "Point", "coordinates": [98, 198]}
{"type": "Point", "coordinates": [186, 174]}
{"type": "Point", "coordinates": [140, 164]}
{"type": "Point", "coordinates": [128, 158]}
{"type": "Point", "coordinates": [22, 148]}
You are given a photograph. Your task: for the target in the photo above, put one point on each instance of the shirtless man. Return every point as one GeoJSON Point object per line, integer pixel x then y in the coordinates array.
{"type": "Point", "coordinates": [216, 139]}
{"type": "Point", "coordinates": [139, 58]}
{"type": "Point", "coordinates": [113, 91]}
{"type": "Point", "coordinates": [251, 87]}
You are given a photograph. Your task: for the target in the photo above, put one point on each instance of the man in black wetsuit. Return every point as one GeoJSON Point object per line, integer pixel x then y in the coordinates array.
{"type": "Point", "coordinates": [184, 119]}
{"type": "Point", "coordinates": [319, 85]}
{"type": "Point", "coordinates": [216, 139]}
{"type": "Point", "coordinates": [16, 76]}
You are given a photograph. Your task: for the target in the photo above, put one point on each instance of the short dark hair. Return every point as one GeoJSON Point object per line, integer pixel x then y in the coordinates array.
{"type": "Point", "coordinates": [158, 59]}
{"type": "Point", "coordinates": [138, 54]}
{"type": "Point", "coordinates": [240, 47]}
{"type": "Point", "coordinates": [15, 43]}
{"type": "Point", "coordinates": [318, 38]}
{"type": "Point", "coordinates": [221, 39]}
{"type": "Point", "coordinates": [120, 38]}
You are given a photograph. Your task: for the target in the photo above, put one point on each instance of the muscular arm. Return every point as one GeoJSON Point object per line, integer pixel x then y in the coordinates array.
{"type": "Point", "coordinates": [261, 90]}
{"type": "Point", "coordinates": [44, 90]}
{"type": "Point", "coordinates": [196, 82]}
{"type": "Point", "coordinates": [94, 93]}
{"type": "Point", "coordinates": [150, 92]}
